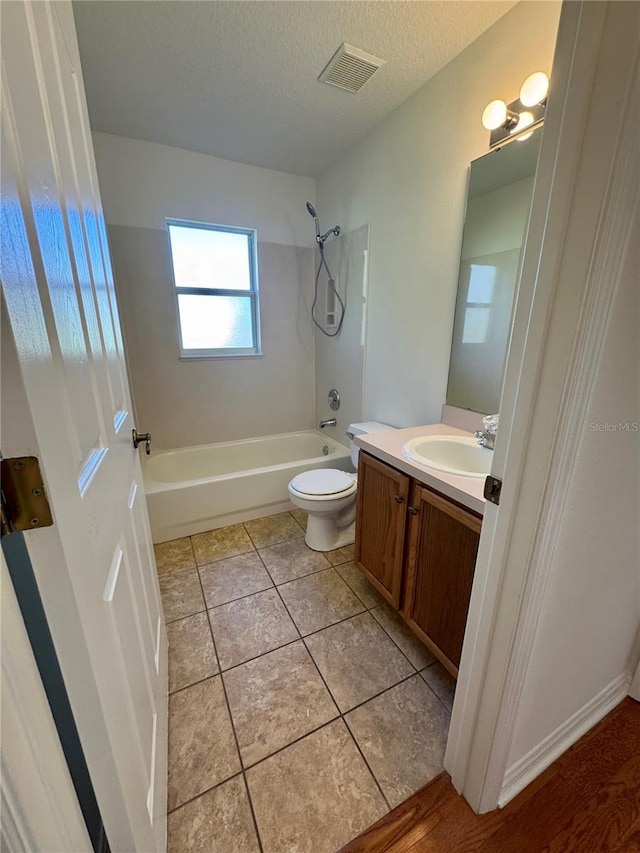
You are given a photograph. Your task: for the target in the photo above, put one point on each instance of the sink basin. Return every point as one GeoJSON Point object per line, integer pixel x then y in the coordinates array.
{"type": "Point", "coordinates": [460, 455]}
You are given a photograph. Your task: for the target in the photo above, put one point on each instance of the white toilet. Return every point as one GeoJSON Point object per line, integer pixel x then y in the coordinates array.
{"type": "Point", "coordinates": [329, 497]}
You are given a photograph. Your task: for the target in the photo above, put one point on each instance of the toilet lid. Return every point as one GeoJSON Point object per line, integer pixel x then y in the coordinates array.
{"type": "Point", "coordinates": [323, 481]}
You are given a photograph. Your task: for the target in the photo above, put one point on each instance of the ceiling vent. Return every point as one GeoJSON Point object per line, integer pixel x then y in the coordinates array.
{"type": "Point", "coordinates": [350, 68]}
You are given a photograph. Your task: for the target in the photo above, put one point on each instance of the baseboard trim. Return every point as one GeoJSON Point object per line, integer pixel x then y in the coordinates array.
{"type": "Point", "coordinates": [531, 765]}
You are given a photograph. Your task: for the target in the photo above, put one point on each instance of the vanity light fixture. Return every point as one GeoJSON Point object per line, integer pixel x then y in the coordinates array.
{"type": "Point", "coordinates": [509, 121]}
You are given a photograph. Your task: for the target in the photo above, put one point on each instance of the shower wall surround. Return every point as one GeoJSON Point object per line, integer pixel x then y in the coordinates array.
{"type": "Point", "coordinates": [339, 361]}
{"type": "Point", "coordinates": [200, 401]}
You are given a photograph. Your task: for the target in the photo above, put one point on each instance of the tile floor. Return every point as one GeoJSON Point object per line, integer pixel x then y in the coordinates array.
{"type": "Point", "coordinates": [301, 707]}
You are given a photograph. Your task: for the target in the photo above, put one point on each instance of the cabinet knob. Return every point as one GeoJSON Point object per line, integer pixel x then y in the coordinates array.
{"type": "Point", "coordinates": [398, 499]}
{"type": "Point", "coordinates": [413, 510]}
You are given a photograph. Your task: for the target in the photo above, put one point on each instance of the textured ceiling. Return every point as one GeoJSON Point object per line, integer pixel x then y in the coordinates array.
{"type": "Point", "coordinates": [239, 79]}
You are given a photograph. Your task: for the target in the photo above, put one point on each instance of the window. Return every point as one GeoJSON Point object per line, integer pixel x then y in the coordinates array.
{"type": "Point", "coordinates": [216, 282]}
{"type": "Point", "coordinates": [482, 278]}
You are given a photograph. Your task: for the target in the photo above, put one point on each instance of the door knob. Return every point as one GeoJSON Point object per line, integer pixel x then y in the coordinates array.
{"type": "Point", "coordinates": [139, 437]}
{"type": "Point", "coordinates": [398, 499]}
{"type": "Point", "coordinates": [413, 510]}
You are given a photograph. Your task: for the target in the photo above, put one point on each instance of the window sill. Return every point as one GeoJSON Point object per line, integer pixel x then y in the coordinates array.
{"type": "Point", "coordinates": [215, 356]}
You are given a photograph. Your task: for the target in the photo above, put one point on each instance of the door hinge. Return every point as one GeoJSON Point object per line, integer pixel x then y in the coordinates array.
{"type": "Point", "coordinates": [23, 498]}
{"type": "Point", "coordinates": [492, 489]}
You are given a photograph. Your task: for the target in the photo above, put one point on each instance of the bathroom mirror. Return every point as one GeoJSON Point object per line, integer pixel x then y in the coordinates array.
{"type": "Point", "coordinates": [497, 215]}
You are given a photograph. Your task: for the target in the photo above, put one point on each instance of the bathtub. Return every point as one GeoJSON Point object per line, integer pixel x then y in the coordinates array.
{"type": "Point", "coordinates": [194, 489]}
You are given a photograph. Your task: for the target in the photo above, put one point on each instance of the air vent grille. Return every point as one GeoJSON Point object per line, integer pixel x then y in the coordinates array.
{"type": "Point", "coordinates": [350, 68]}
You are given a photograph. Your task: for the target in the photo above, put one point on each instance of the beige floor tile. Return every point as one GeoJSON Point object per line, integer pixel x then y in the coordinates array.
{"type": "Point", "coordinates": [319, 600]}
{"type": "Point", "coordinates": [249, 627]}
{"type": "Point", "coordinates": [402, 735]}
{"type": "Point", "coordinates": [219, 821]}
{"type": "Point", "coordinates": [403, 636]}
{"type": "Point", "coordinates": [181, 594]}
{"type": "Point", "coordinates": [202, 748]}
{"type": "Point", "coordinates": [357, 660]}
{"type": "Point", "coordinates": [315, 795]}
{"type": "Point", "coordinates": [220, 544]}
{"type": "Point", "coordinates": [175, 555]}
{"type": "Point", "coordinates": [276, 699]}
{"type": "Point", "coordinates": [273, 528]}
{"type": "Point", "coordinates": [441, 682]}
{"type": "Point", "coordinates": [191, 654]}
{"type": "Point", "coordinates": [300, 516]}
{"type": "Point", "coordinates": [341, 555]}
{"type": "Point", "coordinates": [233, 578]}
{"type": "Point", "coordinates": [290, 560]}
{"type": "Point", "coordinates": [360, 585]}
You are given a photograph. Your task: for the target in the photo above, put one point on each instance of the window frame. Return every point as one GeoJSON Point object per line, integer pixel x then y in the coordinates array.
{"type": "Point", "coordinates": [252, 293]}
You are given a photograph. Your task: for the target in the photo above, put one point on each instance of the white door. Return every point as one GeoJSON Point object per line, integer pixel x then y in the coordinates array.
{"type": "Point", "coordinates": [38, 803]}
{"type": "Point", "coordinates": [96, 571]}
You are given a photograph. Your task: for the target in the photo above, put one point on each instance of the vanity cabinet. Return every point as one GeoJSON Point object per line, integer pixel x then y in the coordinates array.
{"type": "Point", "coordinates": [419, 550]}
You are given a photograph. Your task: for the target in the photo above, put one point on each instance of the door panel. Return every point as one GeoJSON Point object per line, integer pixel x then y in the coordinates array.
{"type": "Point", "coordinates": [442, 555]}
{"type": "Point", "coordinates": [380, 522]}
{"type": "Point", "coordinates": [61, 304]}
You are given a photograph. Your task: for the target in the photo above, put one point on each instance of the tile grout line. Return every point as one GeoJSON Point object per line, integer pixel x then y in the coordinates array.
{"type": "Point", "coordinates": [239, 598]}
{"type": "Point", "coordinates": [203, 793]}
{"type": "Point", "coordinates": [340, 714]}
{"type": "Point", "coordinates": [437, 695]}
{"type": "Point", "coordinates": [233, 729]}
{"type": "Point", "coordinates": [342, 717]}
{"type": "Point", "coordinates": [393, 641]}
{"type": "Point", "coordinates": [207, 610]}
{"type": "Point", "coordinates": [301, 636]}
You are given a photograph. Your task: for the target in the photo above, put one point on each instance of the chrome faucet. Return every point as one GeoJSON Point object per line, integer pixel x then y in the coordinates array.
{"type": "Point", "coordinates": [487, 436]}
{"type": "Point", "coordinates": [329, 422]}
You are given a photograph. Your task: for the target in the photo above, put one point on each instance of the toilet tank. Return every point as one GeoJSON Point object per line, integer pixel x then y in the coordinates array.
{"type": "Point", "coordinates": [363, 428]}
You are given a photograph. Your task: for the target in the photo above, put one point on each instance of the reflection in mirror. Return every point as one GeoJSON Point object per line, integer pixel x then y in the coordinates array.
{"type": "Point", "coordinates": [498, 205]}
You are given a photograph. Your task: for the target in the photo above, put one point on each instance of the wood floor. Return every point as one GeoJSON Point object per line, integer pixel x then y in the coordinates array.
{"type": "Point", "coordinates": [588, 801]}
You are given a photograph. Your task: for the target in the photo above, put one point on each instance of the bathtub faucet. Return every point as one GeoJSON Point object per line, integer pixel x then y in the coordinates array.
{"type": "Point", "coordinates": [330, 422]}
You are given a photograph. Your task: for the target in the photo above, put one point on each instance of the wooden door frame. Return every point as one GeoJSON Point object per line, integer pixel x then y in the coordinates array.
{"type": "Point", "coordinates": [584, 196]}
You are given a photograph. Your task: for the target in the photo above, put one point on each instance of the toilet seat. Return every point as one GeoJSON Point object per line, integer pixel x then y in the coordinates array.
{"type": "Point", "coordinates": [323, 484]}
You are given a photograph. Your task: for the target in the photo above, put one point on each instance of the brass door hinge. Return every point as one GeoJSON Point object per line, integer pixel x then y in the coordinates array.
{"type": "Point", "coordinates": [492, 489]}
{"type": "Point", "coordinates": [24, 501]}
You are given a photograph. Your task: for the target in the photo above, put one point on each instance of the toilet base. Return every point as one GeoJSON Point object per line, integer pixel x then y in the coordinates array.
{"type": "Point", "coordinates": [324, 535]}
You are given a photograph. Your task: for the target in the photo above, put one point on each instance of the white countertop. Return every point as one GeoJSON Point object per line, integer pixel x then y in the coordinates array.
{"type": "Point", "coordinates": [387, 446]}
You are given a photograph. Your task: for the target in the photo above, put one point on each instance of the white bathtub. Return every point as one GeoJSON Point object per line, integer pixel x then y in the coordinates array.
{"type": "Point", "coordinates": [201, 488]}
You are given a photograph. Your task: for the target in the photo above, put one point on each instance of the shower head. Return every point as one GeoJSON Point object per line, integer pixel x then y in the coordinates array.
{"type": "Point", "coordinates": [313, 213]}
{"type": "Point", "coordinates": [320, 240]}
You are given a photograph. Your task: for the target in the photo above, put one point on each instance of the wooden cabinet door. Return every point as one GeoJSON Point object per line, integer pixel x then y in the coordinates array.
{"type": "Point", "coordinates": [442, 549]}
{"type": "Point", "coordinates": [380, 525]}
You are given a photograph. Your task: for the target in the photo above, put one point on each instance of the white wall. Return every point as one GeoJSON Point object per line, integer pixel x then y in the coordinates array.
{"type": "Point", "coordinates": [201, 401]}
{"type": "Point", "coordinates": [591, 610]}
{"type": "Point", "coordinates": [141, 181]}
{"type": "Point", "coordinates": [408, 179]}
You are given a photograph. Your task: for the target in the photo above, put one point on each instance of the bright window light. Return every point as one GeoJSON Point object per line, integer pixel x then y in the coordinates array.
{"type": "Point", "coordinates": [216, 282]}
{"type": "Point", "coordinates": [477, 313]}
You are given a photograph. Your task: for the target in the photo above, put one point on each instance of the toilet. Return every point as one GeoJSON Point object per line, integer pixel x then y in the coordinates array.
{"type": "Point", "coordinates": [329, 497]}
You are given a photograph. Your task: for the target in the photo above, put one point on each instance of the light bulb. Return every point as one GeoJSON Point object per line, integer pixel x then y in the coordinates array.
{"type": "Point", "coordinates": [524, 120]}
{"type": "Point", "coordinates": [534, 89]}
{"type": "Point", "coordinates": [494, 115]}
